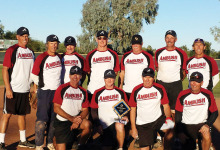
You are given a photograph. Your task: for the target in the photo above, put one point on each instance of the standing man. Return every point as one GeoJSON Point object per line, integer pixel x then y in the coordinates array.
{"type": "Point", "coordinates": [132, 65]}
{"type": "Point", "coordinates": [204, 64]}
{"type": "Point", "coordinates": [196, 111]}
{"type": "Point", "coordinates": [103, 114]}
{"type": "Point", "coordinates": [98, 61]}
{"type": "Point", "coordinates": [170, 63]}
{"type": "Point", "coordinates": [150, 110]}
{"type": "Point", "coordinates": [71, 58]}
{"type": "Point", "coordinates": [17, 66]}
{"type": "Point", "coordinates": [71, 106]}
{"type": "Point", "coordinates": [46, 74]}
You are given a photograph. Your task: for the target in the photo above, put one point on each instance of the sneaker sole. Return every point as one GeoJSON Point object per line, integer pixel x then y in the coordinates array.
{"type": "Point", "coordinates": [25, 146]}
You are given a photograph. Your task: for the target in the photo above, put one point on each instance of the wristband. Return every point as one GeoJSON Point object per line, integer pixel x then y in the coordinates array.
{"type": "Point", "coordinates": [169, 118]}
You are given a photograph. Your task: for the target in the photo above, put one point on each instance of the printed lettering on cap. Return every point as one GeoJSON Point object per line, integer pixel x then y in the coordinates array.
{"type": "Point", "coordinates": [136, 38]}
{"type": "Point", "coordinates": [76, 69]}
{"type": "Point", "coordinates": [24, 29]}
{"type": "Point", "coordinates": [55, 37]}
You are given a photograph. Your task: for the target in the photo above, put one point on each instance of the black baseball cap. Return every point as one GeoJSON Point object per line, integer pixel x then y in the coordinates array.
{"type": "Point", "coordinates": [171, 32]}
{"type": "Point", "coordinates": [52, 38]}
{"type": "Point", "coordinates": [148, 72]}
{"type": "Point", "coordinates": [198, 40]}
{"type": "Point", "coordinates": [136, 39]}
{"type": "Point", "coordinates": [75, 70]}
{"type": "Point", "coordinates": [22, 31]}
{"type": "Point", "coordinates": [102, 33]}
{"type": "Point", "coordinates": [196, 76]}
{"type": "Point", "coordinates": [109, 74]}
{"type": "Point", "coordinates": [69, 41]}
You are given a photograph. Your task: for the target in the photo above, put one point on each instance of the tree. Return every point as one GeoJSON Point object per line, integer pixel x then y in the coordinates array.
{"type": "Point", "coordinates": [184, 47]}
{"type": "Point", "coordinates": [121, 18]}
{"type": "Point", "coordinates": [1, 31]}
{"type": "Point", "coordinates": [216, 32]}
{"type": "Point", "coordinates": [149, 49]}
{"type": "Point", "coordinates": [10, 35]}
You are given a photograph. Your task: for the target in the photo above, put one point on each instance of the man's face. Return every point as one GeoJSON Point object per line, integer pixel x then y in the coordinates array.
{"type": "Point", "coordinates": [75, 78]}
{"type": "Point", "coordinates": [170, 40]}
{"type": "Point", "coordinates": [136, 47]}
{"type": "Point", "coordinates": [199, 48]}
{"type": "Point", "coordinates": [102, 41]}
{"type": "Point", "coordinates": [148, 81]}
{"type": "Point", "coordinates": [195, 86]}
{"type": "Point", "coordinates": [109, 82]}
{"type": "Point", "coordinates": [70, 49]}
{"type": "Point", "coordinates": [52, 46]}
{"type": "Point", "coordinates": [22, 39]}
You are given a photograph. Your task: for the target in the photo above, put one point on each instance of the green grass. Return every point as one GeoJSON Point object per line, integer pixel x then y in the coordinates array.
{"type": "Point", "coordinates": [216, 90]}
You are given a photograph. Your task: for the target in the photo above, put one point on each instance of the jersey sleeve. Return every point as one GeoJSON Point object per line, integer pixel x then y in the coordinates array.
{"type": "Point", "coordinates": [93, 103]}
{"type": "Point", "coordinates": [57, 96]}
{"type": "Point", "coordinates": [87, 65]}
{"type": "Point", "coordinates": [214, 68]}
{"type": "Point", "coordinates": [156, 57]}
{"type": "Point", "coordinates": [37, 63]}
{"type": "Point", "coordinates": [7, 58]}
{"type": "Point", "coordinates": [151, 63]}
{"type": "Point", "coordinates": [179, 106]}
{"type": "Point", "coordinates": [116, 67]}
{"type": "Point", "coordinates": [85, 103]}
{"type": "Point", "coordinates": [132, 102]}
{"type": "Point", "coordinates": [213, 106]}
{"type": "Point", "coordinates": [185, 58]}
{"type": "Point", "coordinates": [164, 99]}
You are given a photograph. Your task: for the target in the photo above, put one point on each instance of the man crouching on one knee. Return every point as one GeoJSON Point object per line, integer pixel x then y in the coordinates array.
{"type": "Point", "coordinates": [71, 105]}
{"type": "Point", "coordinates": [150, 112]}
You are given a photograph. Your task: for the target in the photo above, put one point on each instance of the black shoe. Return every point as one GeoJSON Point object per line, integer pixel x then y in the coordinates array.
{"type": "Point", "coordinates": [2, 146]}
{"type": "Point", "coordinates": [26, 144]}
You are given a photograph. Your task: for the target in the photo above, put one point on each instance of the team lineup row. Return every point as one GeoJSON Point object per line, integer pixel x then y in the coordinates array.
{"type": "Point", "coordinates": [50, 69]}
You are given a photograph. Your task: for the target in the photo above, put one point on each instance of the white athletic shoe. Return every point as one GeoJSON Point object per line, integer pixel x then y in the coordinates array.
{"type": "Point", "coordinates": [39, 148]}
{"type": "Point", "coordinates": [50, 146]}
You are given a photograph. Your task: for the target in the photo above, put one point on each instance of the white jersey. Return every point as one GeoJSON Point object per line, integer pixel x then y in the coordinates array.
{"type": "Point", "coordinates": [133, 65]}
{"type": "Point", "coordinates": [170, 64]}
{"type": "Point", "coordinates": [148, 102]}
{"type": "Point", "coordinates": [104, 100]}
{"type": "Point", "coordinates": [48, 68]}
{"type": "Point", "coordinates": [97, 62]}
{"type": "Point", "coordinates": [206, 65]}
{"type": "Point", "coordinates": [72, 100]}
{"type": "Point", "coordinates": [20, 62]}
{"type": "Point", "coordinates": [69, 60]}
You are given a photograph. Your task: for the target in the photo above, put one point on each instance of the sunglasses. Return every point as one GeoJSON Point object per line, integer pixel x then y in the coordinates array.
{"type": "Point", "coordinates": [104, 38]}
{"type": "Point", "coordinates": [199, 40]}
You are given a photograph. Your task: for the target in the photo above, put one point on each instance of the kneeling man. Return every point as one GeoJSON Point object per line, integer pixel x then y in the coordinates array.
{"type": "Point", "coordinates": [150, 111]}
{"type": "Point", "coordinates": [71, 106]}
{"type": "Point", "coordinates": [196, 111]}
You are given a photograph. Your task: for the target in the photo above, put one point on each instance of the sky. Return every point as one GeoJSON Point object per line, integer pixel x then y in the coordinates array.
{"type": "Point", "coordinates": [190, 19]}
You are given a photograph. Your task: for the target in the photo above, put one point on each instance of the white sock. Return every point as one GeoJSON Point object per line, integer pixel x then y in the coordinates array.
{"type": "Point", "coordinates": [158, 137]}
{"type": "Point", "coordinates": [120, 148]}
{"type": "Point", "coordinates": [2, 137]}
{"type": "Point", "coordinates": [22, 135]}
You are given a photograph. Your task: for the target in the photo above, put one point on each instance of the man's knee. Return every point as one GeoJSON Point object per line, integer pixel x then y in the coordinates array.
{"type": "Point", "coordinates": [6, 117]}
{"type": "Point", "coordinates": [119, 127]}
{"type": "Point", "coordinates": [86, 124]}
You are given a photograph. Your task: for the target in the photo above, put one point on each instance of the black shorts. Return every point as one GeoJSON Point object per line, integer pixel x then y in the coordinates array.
{"type": "Point", "coordinates": [192, 130]}
{"type": "Point", "coordinates": [18, 105]}
{"type": "Point", "coordinates": [63, 133]}
{"type": "Point", "coordinates": [128, 95]}
{"type": "Point", "coordinates": [108, 138]}
{"type": "Point", "coordinates": [148, 132]}
{"type": "Point", "coordinates": [173, 89]}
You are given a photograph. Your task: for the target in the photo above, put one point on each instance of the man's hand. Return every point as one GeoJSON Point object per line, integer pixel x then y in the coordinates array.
{"type": "Point", "coordinates": [74, 126]}
{"type": "Point", "coordinates": [134, 133]}
{"type": "Point", "coordinates": [77, 119]}
{"type": "Point", "coordinates": [9, 93]}
{"type": "Point", "coordinates": [204, 129]}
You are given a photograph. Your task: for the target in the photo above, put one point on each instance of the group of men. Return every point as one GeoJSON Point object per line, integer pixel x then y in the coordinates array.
{"type": "Point", "coordinates": [63, 105]}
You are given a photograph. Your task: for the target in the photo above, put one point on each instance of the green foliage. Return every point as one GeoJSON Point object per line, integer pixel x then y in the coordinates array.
{"type": "Point", "coordinates": [149, 49]}
{"type": "Point", "coordinates": [216, 33]}
{"type": "Point", "coordinates": [121, 18]}
{"type": "Point", "coordinates": [1, 31]}
{"type": "Point", "coordinates": [10, 35]}
{"type": "Point", "coordinates": [37, 46]}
